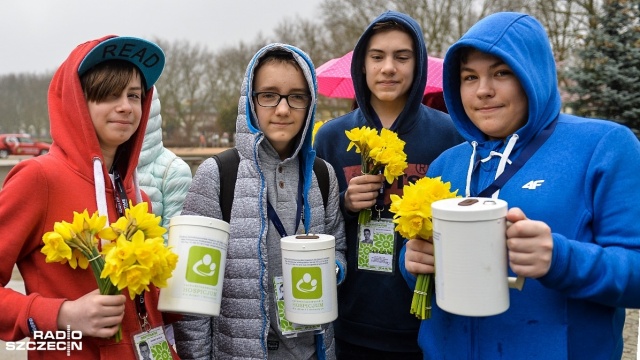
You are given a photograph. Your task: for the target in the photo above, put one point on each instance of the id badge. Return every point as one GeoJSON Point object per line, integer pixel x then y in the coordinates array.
{"type": "Point", "coordinates": [288, 328]}
{"type": "Point", "coordinates": [151, 345]}
{"type": "Point", "coordinates": [376, 246]}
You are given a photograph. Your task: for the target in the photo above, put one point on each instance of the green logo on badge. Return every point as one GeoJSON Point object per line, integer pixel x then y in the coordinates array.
{"type": "Point", "coordinates": [203, 265]}
{"type": "Point", "coordinates": [307, 282]}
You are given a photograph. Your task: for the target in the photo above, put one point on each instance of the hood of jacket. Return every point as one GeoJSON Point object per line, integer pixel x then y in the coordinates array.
{"type": "Point", "coordinates": [249, 136]}
{"type": "Point", "coordinates": [152, 147]}
{"type": "Point", "coordinates": [521, 41]}
{"type": "Point", "coordinates": [407, 117]}
{"type": "Point", "coordinates": [74, 137]}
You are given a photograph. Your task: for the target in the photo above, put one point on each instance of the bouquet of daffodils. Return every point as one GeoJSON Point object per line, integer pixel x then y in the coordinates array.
{"type": "Point", "coordinates": [381, 153]}
{"type": "Point", "coordinates": [134, 256]}
{"type": "Point", "coordinates": [412, 214]}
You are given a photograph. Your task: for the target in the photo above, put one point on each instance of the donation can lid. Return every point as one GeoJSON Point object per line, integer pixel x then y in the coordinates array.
{"type": "Point", "coordinates": [469, 209]}
{"type": "Point", "coordinates": [309, 242]}
{"type": "Point", "coordinates": [198, 220]}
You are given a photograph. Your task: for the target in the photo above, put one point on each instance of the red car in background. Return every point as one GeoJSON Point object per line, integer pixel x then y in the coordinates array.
{"type": "Point", "coordinates": [21, 144]}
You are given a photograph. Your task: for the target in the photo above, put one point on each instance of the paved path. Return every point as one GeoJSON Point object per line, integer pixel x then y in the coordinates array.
{"type": "Point", "coordinates": [630, 330]}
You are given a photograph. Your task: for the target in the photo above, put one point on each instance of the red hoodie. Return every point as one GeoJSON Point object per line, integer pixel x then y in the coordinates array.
{"type": "Point", "coordinates": [45, 189]}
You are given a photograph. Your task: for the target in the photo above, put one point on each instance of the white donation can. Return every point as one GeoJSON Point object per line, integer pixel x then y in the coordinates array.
{"type": "Point", "coordinates": [469, 237]}
{"type": "Point", "coordinates": [196, 285]}
{"type": "Point", "coordinates": [309, 278]}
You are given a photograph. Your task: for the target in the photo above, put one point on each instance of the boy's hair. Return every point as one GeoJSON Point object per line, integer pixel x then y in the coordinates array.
{"type": "Point", "coordinates": [463, 54]}
{"type": "Point", "coordinates": [390, 25]}
{"type": "Point", "coordinates": [277, 56]}
{"type": "Point", "coordinates": [108, 78]}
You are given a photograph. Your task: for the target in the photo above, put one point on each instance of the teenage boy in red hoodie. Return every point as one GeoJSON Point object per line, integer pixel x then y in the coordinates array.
{"type": "Point", "coordinates": [99, 101]}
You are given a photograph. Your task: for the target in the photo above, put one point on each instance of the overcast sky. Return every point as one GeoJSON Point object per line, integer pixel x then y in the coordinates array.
{"type": "Point", "coordinates": [38, 35]}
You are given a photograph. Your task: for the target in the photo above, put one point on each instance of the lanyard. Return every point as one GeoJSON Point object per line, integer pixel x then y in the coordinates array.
{"type": "Point", "coordinates": [273, 216]}
{"type": "Point", "coordinates": [121, 196]}
{"type": "Point", "coordinates": [122, 203]}
{"type": "Point", "coordinates": [526, 154]}
{"type": "Point", "coordinates": [142, 312]}
{"type": "Point", "coordinates": [379, 206]}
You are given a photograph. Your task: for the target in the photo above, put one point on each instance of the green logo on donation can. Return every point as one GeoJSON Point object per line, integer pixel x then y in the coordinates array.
{"type": "Point", "coordinates": [203, 265]}
{"type": "Point", "coordinates": [308, 282]}
{"type": "Point", "coordinates": [309, 279]}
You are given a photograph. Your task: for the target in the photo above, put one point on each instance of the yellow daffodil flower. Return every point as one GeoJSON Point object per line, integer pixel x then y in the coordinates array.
{"type": "Point", "coordinates": [413, 216]}
{"type": "Point", "coordinates": [381, 153]}
{"type": "Point", "coordinates": [133, 256]}
{"type": "Point", "coordinates": [55, 248]}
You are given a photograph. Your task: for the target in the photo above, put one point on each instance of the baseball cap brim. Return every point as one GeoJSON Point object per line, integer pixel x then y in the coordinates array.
{"type": "Point", "coordinates": [145, 55]}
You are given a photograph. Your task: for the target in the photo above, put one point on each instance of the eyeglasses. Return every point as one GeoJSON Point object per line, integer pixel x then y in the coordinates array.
{"type": "Point", "coordinates": [271, 99]}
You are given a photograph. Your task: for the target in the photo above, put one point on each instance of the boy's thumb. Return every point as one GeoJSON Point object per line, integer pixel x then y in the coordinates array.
{"type": "Point", "coordinates": [515, 214]}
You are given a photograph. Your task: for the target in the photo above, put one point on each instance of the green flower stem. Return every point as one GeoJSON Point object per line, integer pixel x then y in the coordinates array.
{"type": "Point", "coordinates": [104, 284]}
{"type": "Point", "coordinates": [364, 216]}
{"type": "Point", "coordinates": [421, 301]}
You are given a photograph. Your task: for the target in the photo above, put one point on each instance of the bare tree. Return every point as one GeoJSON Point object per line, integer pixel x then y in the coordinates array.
{"type": "Point", "coordinates": [225, 80]}
{"type": "Point", "coordinates": [435, 19]}
{"type": "Point", "coordinates": [199, 89]}
{"type": "Point", "coordinates": [186, 99]}
{"type": "Point", "coordinates": [306, 34]}
{"type": "Point", "coordinates": [23, 104]}
{"type": "Point", "coordinates": [345, 20]}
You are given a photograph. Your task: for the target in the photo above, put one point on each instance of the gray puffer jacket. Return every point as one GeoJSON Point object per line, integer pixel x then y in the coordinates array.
{"type": "Point", "coordinates": [246, 327]}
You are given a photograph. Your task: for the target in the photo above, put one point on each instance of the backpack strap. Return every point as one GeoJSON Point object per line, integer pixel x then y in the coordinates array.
{"type": "Point", "coordinates": [227, 161]}
{"type": "Point", "coordinates": [322, 174]}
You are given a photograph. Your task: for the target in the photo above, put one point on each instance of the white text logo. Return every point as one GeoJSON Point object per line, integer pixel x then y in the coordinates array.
{"type": "Point", "coordinates": [533, 184]}
{"type": "Point", "coordinates": [50, 341]}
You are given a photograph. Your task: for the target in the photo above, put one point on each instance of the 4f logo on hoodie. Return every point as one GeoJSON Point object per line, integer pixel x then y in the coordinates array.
{"type": "Point", "coordinates": [533, 184]}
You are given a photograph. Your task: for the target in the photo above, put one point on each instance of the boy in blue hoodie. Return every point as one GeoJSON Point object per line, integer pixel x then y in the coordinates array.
{"type": "Point", "coordinates": [573, 204]}
{"type": "Point", "coordinates": [389, 72]}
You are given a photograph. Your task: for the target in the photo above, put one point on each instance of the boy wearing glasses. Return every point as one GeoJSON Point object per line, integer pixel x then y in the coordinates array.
{"type": "Point", "coordinates": [276, 195]}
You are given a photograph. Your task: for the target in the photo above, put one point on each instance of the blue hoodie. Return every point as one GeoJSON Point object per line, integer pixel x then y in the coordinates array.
{"type": "Point", "coordinates": [583, 182]}
{"type": "Point", "coordinates": [374, 308]}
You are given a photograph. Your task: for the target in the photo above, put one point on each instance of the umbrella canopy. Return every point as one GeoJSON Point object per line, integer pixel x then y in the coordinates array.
{"type": "Point", "coordinates": [334, 77]}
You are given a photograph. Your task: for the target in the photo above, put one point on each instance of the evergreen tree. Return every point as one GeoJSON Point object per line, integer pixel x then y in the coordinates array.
{"type": "Point", "coordinates": [607, 83]}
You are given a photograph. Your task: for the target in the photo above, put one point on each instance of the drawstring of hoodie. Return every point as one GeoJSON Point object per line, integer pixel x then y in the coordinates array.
{"type": "Point", "coordinates": [467, 192]}
{"type": "Point", "coordinates": [504, 159]}
{"type": "Point", "coordinates": [100, 189]}
{"type": "Point", "coordinates": [101, 194]}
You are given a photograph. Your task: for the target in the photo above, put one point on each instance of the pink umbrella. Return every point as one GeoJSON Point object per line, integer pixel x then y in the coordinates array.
{"type": "Point", "coordinates": [334, 77]}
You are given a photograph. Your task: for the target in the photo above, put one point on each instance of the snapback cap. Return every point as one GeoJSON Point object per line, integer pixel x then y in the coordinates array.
{"type": "Point", "coordinates": [145, 55]}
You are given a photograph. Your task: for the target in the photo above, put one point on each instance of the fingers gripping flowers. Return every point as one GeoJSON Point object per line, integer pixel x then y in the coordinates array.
{"type": "Point", "coordinates": [134, 256]}
{"type": "Point", "coordinates": [412, 214]}
{"type": "Point", "coordinates": [76, 243]}
{"type": "Point", "coordinates": [381, 153]}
